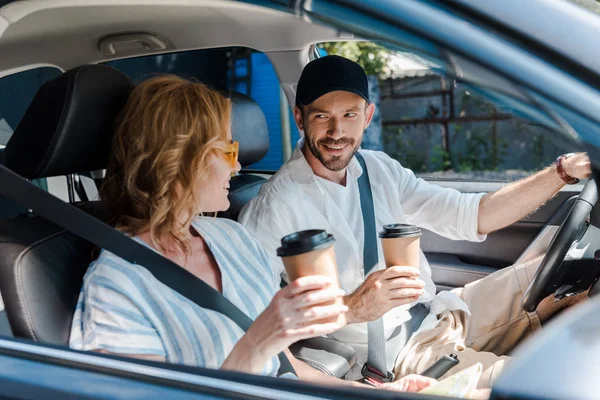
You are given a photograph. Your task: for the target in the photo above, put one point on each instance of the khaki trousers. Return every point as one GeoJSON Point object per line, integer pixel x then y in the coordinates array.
{"type": "Point", "coordinates": [496, 325]}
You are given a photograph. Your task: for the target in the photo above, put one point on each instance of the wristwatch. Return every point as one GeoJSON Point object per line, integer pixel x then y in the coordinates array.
{"type": "Point", "coordinates": [569, 180]}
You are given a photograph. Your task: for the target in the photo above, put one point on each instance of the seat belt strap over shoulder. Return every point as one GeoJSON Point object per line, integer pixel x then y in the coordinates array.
{"type": "Point", "coordinates": [106, 237]}
{"type": "Point", "coordinates": [376, 366]}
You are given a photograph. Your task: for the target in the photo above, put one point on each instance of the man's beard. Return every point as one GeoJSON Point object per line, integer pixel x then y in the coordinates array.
{"type": "Point", "coordinates": [335, 163]}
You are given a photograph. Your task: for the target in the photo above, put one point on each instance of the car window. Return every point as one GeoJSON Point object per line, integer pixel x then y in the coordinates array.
{"type": "Point", "coordinates": [456, 122]}
{"type": "Point", "coordinates": [227, 69]}
{"type": "Point", "coordinates": [16, 93]}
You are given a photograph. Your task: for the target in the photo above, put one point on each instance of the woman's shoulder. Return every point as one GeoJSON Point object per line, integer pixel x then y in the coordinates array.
{"type": "Point", "coordinates": [223, 225]}
{"type": "Point", "coordinates": [230, 233]}
{"type": "Point", "coordinates": [110, 268]}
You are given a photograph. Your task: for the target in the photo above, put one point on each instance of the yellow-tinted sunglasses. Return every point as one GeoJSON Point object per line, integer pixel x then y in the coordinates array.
{"type": "Point", "coordinates": [231, 153]}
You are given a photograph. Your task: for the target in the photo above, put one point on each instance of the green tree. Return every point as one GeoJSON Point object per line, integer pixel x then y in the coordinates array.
{"type": "Point", "coordinates": [371, 56]}
{"type": "Point", "coordinates": [589, 4]}
{"type": "Point", "coordinates": [400, 147]}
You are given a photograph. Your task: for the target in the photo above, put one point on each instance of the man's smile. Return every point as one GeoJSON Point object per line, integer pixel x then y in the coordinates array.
{"type": "Point", "coordinates": [335, 149]}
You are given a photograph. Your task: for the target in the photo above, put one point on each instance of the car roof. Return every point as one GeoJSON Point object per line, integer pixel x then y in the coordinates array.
{"type": "Point", "coordinates": [181, 24]}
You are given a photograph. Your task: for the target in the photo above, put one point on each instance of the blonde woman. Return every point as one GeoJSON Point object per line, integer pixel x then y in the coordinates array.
{"type": "Point", "coordinates": [172, 160]}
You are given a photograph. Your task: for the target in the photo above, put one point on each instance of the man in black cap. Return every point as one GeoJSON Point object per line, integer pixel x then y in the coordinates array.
{"type": "Point", "coordinates": [318, 188]}
{"type": "Point", "coordinates": [328, 83]}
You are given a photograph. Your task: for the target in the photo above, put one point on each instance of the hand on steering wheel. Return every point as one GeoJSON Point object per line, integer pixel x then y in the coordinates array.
{"type": "Point", "coordinates": [541, 284]}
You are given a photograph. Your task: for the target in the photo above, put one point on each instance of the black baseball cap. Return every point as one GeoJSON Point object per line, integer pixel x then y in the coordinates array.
{"type": "Point", "coordinates": [328, 74]}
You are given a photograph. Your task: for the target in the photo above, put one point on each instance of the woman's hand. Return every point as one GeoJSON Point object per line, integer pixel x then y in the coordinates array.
{"type": "Point", "coordinates": [409, 383]}
{"type": "Point", "coordinates": [299, 311]}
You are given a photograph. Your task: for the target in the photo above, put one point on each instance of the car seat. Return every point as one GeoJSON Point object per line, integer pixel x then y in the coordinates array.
{"type": "Point", "coordinates": [66, 129]}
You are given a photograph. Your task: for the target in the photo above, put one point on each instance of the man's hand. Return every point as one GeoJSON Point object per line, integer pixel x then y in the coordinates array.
{"type": "Point", "coordinates": [578, 166]}
{"type": "Point", "coordinates": [416, 383]}
{"type": "Point", "coordinates": [383, 290]}
{"type": "Point", "coordinates": [409, 383]}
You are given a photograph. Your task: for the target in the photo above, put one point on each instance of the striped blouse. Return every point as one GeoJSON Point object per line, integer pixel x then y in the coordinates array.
{"type": "Point", "coordinates": [123, 309]}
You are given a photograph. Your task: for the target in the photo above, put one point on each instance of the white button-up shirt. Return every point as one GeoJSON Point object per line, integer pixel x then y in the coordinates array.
{"type": "Point", "coordinates": [294, 199]}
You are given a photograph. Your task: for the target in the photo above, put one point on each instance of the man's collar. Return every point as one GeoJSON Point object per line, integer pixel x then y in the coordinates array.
{"type": "Point", "coordinates": [354, 168]}
{"type": "Point", "coordinates": [301, 172]}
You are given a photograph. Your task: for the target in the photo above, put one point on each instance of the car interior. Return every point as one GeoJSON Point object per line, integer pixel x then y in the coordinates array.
{"type": "Point", "coordinates": [43, 264]}
{"type": "Point", "coordinates": [67, 128]}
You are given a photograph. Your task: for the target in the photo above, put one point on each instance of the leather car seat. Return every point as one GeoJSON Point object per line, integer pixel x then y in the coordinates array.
{"type": "Point", "coordinates": [66, 129]}
{"type": "Point", "coordinates": [249, 127]}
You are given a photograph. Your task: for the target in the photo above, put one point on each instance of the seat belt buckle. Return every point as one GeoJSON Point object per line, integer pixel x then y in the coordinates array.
{"type": "Point", "coordinates": [375, 377]}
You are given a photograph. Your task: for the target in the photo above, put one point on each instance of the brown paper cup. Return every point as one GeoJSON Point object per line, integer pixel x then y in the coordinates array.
{"type": "Point", "coordinates": [401, 251]}
{"type": "Point", "coordinates": [308, 253]}
{"type": "Point", "coordinates": [401, 245]}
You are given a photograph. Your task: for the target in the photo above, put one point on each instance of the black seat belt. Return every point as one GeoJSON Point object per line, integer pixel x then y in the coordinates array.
{"type": "Point", "coordinates": [376, 365]}
{"type": "Point", "coordinates": [18, 189]}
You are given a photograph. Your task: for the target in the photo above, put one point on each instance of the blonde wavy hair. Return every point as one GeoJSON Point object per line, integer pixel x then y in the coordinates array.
{"type": "Point", "coordinates": [160, 151]}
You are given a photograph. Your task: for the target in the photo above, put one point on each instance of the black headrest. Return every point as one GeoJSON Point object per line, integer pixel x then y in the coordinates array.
{"type": "Point", "coordinates": [249, 127]}
{"type": "Point", "coordinates": [68, 126]}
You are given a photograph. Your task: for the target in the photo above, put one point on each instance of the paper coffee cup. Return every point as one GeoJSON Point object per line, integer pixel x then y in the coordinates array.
{"type": "Point", "coordinates": [401, 245]}
{"type": "Point", "coordinates": [308, 253]}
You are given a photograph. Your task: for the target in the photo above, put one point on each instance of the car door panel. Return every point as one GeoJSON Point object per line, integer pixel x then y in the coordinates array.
{"type": "Point", "coordinates": [449, 271]}
{"type": "Point", "coordinates": [499, 250]}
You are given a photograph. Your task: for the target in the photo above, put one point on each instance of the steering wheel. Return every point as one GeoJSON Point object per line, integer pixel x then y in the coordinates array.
{"type": "Point", "coordinates": [564, 238]}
